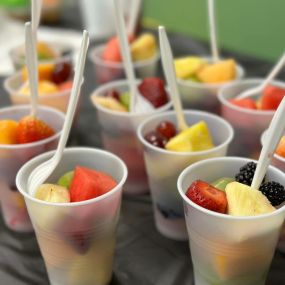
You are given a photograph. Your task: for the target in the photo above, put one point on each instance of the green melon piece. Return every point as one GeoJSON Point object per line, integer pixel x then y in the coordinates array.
{"type": "Point", "coordinates": [125, 99]}
{"type": "Point", "coordinates": [222, 183]}
{"type": "Point", "coordinates": [65, 179]}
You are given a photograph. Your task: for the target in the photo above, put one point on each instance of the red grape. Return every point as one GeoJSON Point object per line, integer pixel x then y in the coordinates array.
{"type": "Point", "coordinates": [61, 73]}
{"type": "Point", "coordinates": [156, 139]}
{"type": "Point", "coordinates": [113, 94]}
{"type": "Point", "coordinates": [167, 129]}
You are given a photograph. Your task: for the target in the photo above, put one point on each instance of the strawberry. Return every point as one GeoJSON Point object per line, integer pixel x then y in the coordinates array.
{"type": "Point", "coordinates": [31, 129]}
{"type": "Point", "coordinates": [272, 97]}
{"type": "Point", "coordinates": [246, 103]}
{"type": "Point", "coordinates": [207, 196]}
{"type": "Point", "coordinates": [153, 90]}
{"type": "Point", "coordinates": [88, 184]}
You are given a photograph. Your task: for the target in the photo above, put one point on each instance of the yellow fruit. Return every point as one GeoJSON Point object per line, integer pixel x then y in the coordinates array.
{"type": "Point", "coordinates": [45, 52]}
{"type": "Point", "coordinates": [53, 193]}
{"type": "Point", "coordinates": [109, 103]}
{"type": "Point", "coordinates": [144, 47]}
{"type": "Point", "coordinates": [188, 66]}
{"type": "Point", "coordinates": [246, 201]}
{"type": "Point", "coordinates": [221, 71]}
{"type": "Point", "coordinates": [8, 132]}
{"type": "Point", "coordinates": [195, 138]}
{"type": "Point", "coordinates": [45, 71]}
{"type": "Point", "coordinates": [45, 87]}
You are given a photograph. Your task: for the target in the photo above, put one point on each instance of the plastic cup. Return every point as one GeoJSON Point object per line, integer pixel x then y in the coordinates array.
{"type": "Point", "coordinates": [12, 157]}
{"type": "Point", "coordinates": [248, 124]}
{"type": "Point", "coordinates": [106, 71]}
{"type": "Point", "coordinates": [227, 249]}
{"type": "Point", "coordinates": [77, 240]}
{"type": "Point", "coordinates": [279, 162]}
{"type": "Point", "coordinates": [164, 166]}
{"type": "Point", "coordinates": [203, 96]}
{"type": "Point", "coordinates": [64, 52]}
{"type": "Point", "coordinates": [118, 131]}
{"type": "Point", "coordinates": [58, 100]}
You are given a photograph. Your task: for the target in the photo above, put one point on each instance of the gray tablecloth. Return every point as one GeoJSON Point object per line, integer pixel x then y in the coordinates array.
{"type": "Point", "coordinates": [142, 255]}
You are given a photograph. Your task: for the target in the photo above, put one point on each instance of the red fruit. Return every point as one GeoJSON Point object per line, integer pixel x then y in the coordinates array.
{"type": "Point", "coordinates": [61, 72]}
{"type": "Point", "coordinates": [65, 86]}
{"type": "Point", "coordinates": [31, 129]}
{"type": "Point", "coordinates": [167, 129]}
{"type": "Point", "coordinates": [153, 90]}
{"type": "Point", "coordinates": [88, 184]}
{"type": "Point", "coordinates": [272, 97]}
{"type": "Point", "coordinates": [207, 196]}
{"type": "Point", "coordinates": [156, 139]}
{"type": "Point", "coordinates": [113, 94]}
{"type": "Point", "coordinates": [246, 103]}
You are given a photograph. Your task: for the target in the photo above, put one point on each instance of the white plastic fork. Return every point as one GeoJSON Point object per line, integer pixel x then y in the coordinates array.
{"type": "Point", "coordinates": [40, 174]}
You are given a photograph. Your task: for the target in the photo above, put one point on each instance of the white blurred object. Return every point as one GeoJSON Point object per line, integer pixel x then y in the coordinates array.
{"type": "Point", "coordinates": [98, 17]}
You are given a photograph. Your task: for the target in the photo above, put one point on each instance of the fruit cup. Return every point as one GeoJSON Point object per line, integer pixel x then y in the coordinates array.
{"type": "Point", "coordinates": [58, 99]}
{"type": "Point", "coordinates": [248, 124]}
{"type": "Point", "coordinates": [119, 136]}
{"type": "Point", "coordinates": [13, 156]}
{"type": "Point", "coordinates": [77, 240]}
{"type": "Point", "coordinates": [279, 162]}
{"type": "Point", "coordinates": [106, 71]}
{"type": "Point", "coordinates": [164, 166]}
{"type": "Point", "coordinates": [229, 249]}
{"type": "Point", "coordinates": [203, 96]}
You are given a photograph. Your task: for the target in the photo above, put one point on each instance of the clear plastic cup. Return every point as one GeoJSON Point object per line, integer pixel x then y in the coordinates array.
{"type": "Point", "coordinates": [58, 100]}
{"type": "Point", "coordinates": [118, 131]}
{"type": "Point", "coordinates": [203, 96]}
{"type": "Point", "coordinates": [164, 166]}
{"type": "Point", "coordinates": [12, 157]}
{"type": "Point", "coordinates": [106, 71]}
{"type": "Point", "coordinates": [279, 162]}
{"type": "Point", "coordinates": [248, 124]}
{"type": "Point", "coordinates": [228, 249]}
{"type": "Point", "coordinates": [63, 52]}
{"type": "Point", "coordinates": [77, 240]}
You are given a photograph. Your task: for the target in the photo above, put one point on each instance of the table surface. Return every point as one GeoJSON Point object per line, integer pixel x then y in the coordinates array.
{"type": "Point", "coordinates": [142, 256]}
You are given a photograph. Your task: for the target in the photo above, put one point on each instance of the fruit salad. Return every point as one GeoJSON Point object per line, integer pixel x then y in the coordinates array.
{"type": "Point", "coordinates": [78, 185]}
{"type": "Point", "coordinates": [53, 78]}
{"type": "Point", "coordinates": [152, 89]}
{"type": "Point", "coordinates": [195, 138]}
{"type": "Point", "coordinates": [142, 48]}
{"type": "Point", "coordinates": [235, 196]}
{"type": "Point", "coordinates": [270, 99]}
{"type": "Point", "coordinates": [198, 69]}
{"type": "Point", "coordinates": [26, 130]}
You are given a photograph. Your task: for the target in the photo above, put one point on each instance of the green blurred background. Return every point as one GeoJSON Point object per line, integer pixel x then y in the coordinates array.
{"type": "Point", "coordinates": [253, 27]}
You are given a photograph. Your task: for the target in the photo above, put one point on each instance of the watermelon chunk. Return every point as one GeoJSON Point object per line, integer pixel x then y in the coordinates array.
{"type": "Point", "coordinates": [272, 97]}
{"type": "Point", "coordinates": [246, 103]}
{"type": "Point", "coordinates": [88, 184]}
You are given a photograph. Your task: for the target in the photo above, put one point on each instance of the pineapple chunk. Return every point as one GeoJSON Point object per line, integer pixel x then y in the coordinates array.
{"type": "Point", "coordinates": [187, 67]}
{"type": "Point", "coordinates": [221, 71]}
{"type": "Point", "coordinates": [246, 201]}
{"type": "Point", "coordinates": [109, 103]}
{"type": "Point", "coordinates": [144, 47]}
{"type": "Point", "coordinates": [53, 193]}
{"type": "Point", "coordinates": [195, 138]}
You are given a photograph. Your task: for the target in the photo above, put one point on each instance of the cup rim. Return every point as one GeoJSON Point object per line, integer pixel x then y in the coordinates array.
{"type": "Point", "coordinates": [111, 85]}
{"type": "Point", "coordinates": [225, 102]}
{"type": "Point", "coordinates": [73, 204]}
{"type": "Point", "coordinates": [189, 83]}
{"type": "Point", "coordinates": [14, 92]}
{"type": "Point", "coordinates": [95, 59]}
{"type": "Point", "coordinates": [194, 153]}
{"type": "Point", "coordinates": [37, 143]}
{"type": "Point", "coordinates": [277, 156]}
{"type": "Point", "coordinates": [215, 214]}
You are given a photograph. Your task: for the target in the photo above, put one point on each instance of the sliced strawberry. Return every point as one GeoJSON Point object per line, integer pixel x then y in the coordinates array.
{"type": "Point", "coordinates": [207, 196]}
{"type": "Point", "coordinates": [153, 90]}
{"type": "Point", "coordinates": [272, 97]}
{"type": "Point", "coordinates": [31, 129]}
{"type": "Point", "coordinates": [88, 184]}
{"type": "Point", "coordinates": [246, 103]}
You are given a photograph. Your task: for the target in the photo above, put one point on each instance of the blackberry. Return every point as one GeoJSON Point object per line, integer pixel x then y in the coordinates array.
{"type": "Point", "coordinates": [274, 192]}
{"type": "Point", "coordinates": [246, 173]}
